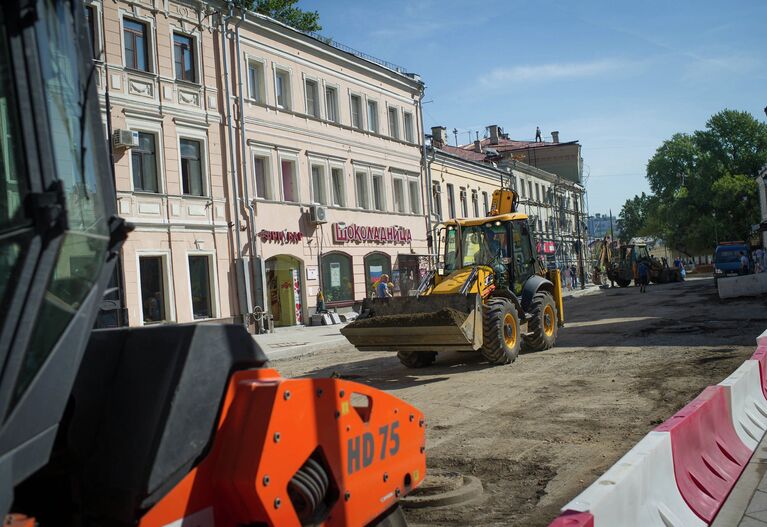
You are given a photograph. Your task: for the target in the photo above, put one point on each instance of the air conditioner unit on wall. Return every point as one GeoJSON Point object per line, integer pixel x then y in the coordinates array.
{"type": "Point", "coordinates": [318, 214]}
{"type": "Point", "coordinates": [124, 139]}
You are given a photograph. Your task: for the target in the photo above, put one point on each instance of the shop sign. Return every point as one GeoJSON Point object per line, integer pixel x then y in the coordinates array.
{"type": "Point", "coordinates": [546, 248]}
{"type": "Point", "coordinates": [282, 237]}
{"type": "Point", "coordinates": [356, 233]}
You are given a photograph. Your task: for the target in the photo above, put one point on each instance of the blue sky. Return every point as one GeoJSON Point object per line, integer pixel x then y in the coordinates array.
{"type": "Point", "coordinates": [620, 77]}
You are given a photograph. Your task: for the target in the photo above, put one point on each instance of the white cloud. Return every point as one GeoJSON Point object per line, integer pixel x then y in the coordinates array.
{"type": "Point", "coordinates": [554, 71]}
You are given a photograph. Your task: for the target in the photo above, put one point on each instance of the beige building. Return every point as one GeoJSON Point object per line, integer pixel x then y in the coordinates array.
{"type": "Point", "coordinates": [464, 178]}
{"type": "Point", "coordinates": [257, 168]}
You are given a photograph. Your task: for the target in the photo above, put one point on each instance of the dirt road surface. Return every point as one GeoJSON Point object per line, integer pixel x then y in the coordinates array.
{"type": "Point", "coordinates": [539, 431]}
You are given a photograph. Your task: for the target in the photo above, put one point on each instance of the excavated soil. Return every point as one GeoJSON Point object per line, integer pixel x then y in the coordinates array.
{"type": "Point", "coordinates": [443, 317]}
{"type": "Point", "coordinates": [537, 432]}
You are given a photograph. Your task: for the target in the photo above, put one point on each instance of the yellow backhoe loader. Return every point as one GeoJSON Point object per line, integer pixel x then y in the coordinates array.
{"type": "Point", "coordinates": [488, 293]}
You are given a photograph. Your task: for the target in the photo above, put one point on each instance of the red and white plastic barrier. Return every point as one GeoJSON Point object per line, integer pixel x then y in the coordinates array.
{"type": "Point", "coordinates": [681, 473]}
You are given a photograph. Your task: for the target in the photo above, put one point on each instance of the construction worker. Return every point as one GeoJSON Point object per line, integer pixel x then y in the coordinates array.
{"type": "Point", "coordinates": [643, 275]}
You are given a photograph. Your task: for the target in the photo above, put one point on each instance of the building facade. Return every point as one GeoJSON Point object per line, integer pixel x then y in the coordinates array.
{"type": "Point", "coordinates": [463, 181]}
{"type": "Point", "coordinates": [259, 165]}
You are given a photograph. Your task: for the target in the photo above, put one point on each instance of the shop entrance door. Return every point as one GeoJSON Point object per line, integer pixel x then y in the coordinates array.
{"type": "Point", "coordinates": [283, 282]}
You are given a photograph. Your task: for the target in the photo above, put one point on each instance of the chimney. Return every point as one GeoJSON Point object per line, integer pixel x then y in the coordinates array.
{"type": "Point", "coordinates": [438, 136]}
{"type": "Point", "coordinates": [555, 136]}
{"type": "Point", "coordinates": [494, 135]}
{"type": "Point", "coordinates": [478, 146]}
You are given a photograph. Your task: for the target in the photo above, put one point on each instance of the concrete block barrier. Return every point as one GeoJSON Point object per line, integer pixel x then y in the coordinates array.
{"type": "Point", "coordinates": [760, 355]}
{"type": "Point", "coordinates": [762, 339]}
{"type": "Point", "coordinates": [639, 490]}
{"type": "Point", "coordinates": [748, 406]}
{"type": "Point", "coordinates": [746, 285]}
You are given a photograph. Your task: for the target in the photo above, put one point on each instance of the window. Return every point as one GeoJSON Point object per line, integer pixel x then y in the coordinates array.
{"type": "Point", "coordinates": [312, 98]}
{"type": "Point", "coordinates": [485, 203]}
{"type": "Point", "coordinates": [183, 56]}
{"type": "Point", "coordinates": [90, 18]}
{"type": "Point", "coordinates": [537, 192]}
{"type": "Point", "coordinates": [376, 264]}
{"type": "Point", "coordinates": [319, 192]}
{"type": "Point", "coordinates": [399, 195]}
{"type": "Point", "coordinates": [475, 203]}
{"type": "Point", "coordinates": [154, 294]}
{"type": "Point", "coordinates": [337, 278]}
{"type": "Point", "coordinates": [522, 188]}
{"type": "Point", "coordinates": [379, 203]}
{"type": "Point", "coordinates": [144, 164]}
{"type": "Point", "coordinates": [451, 200]}
{"type": "Point", "coordinates": [407, 125]}
{"type": "Point", "coordinates": [373, 116]}
{"type": "Point", "coordinates": [289, 183]}
{"type": "Point", "coordinates": [415, 196]}
{"type": "Point", "coordinates": [393, 123]}
{"type": "Point", "coordinates": [256, 81]}
{"type": "Point", "coordinates": [263, 177]}
{"type": "Point", "coordinates": [199, 284]}
{"type": "Point", "coordinates": [136, 45]}
{"type": "Point", "coordinates": [331, 103]}
{"type": "Point", "coordinates": [282, 89]}
{"type": "Point", "coordinates": [530, 189]}
{"type": "Point", "coordinates": [337, 182]}
{"type": "Point", "coordinates": [436, 193]}
{"type": "Point", "coordinates": [361, 181]}
{"type": "Point", "coordinates": [191, 168]}
{"type": "Point", "coordinates": [464, 204]}
{"type": "Point", "coordinates": [356, 103]}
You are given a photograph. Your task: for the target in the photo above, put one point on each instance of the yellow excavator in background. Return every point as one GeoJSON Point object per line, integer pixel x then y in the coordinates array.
{"type": "Point", "coordinates": [488, 293]}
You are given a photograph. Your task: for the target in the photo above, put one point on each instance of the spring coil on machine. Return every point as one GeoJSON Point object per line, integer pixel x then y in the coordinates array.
{"type": "Point", "coordinates": [307, 489]}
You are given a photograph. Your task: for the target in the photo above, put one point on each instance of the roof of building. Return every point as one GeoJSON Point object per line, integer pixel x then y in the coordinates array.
{"type": "Point", "coordinates": [506, 145]}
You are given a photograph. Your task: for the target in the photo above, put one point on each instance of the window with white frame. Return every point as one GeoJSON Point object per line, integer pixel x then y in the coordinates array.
{"type": "Point", "coordinates": [192, 181]}
{"type": "Point", "coordinates": [407, 125]}
{"type": "Point", "coordinates": [92, 20]}
{"type": "Point", "coordinates": [144, 163]}
{"type": "Point", "coordinates": [356, 111]}
{"type": "Point", "coordinates": [200, 286]}
{"type": "Point", "coordinates": [379, 200]}
{"type": "Point", "coordinates": [331, 103]}
{"type": "Point", "coordinates": [464, 204]}
{"type": "Point", "coordinates": [289, 180]}
{"type": "Point", "coordinates": [451, 199]}
{"type": "Point", "coordinates": [414, 195]}
{"type": "Point", "coordinates": [319, 185]}
{"type": "Point", "coordinates": [475, 203]}
{"type": "Point", "coordinates": [436, 193]}
{"type": "Point", "coordinates": [312, 98]}
{"type": "Point", "coordinates": [154, 288]}
{"type": "Point", "coordinates": [256, 86]}
{"type": "Point", "coordinates": [361, 186]}
{"type": "Point", "coordinates": [263, 176]}
{"type": "Point", "coordinates": [398, 184]}
{"type": "Point", "coordinates": [136, 45]}
{"type": "Point", "coordinates": [537, 192]}
{"type": "Point", "coordinates": [530, 190]}
{"type": "Point", "coordinates": [184, 57]}
{"type": "Point", "coordinates": [337, 186]}
{"type": "Point", "coordinates": [373, 116]}
{"type": "Point", "coordinates": [282, 89]}
{"type": "Point", "coordinates": [522, 187]}
{"type": "Point", "coordinates": [486, 203]}
{"type": "Point", "coordinates": [393, 122]}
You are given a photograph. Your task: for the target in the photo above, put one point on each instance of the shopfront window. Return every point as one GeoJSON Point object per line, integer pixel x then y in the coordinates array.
{"type": "Point", "coordinates": [199, 284]}
{"type": "Point", "coordinates": [337, 278]}
{"type": "Point", "coordinates": [376, 265]}
{"type": "Point", "coordinates": [153, 288]}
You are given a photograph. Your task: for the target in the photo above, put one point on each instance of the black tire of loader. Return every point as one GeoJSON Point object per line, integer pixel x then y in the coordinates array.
{"type": "Point", "coordinates": [538, 340]}
{"type": "Point", "coordinates": [623, 283]}
{"type": "Point", "coordinates": [416, 359]}
{"type": "Point", "coordinates": [494, 348]}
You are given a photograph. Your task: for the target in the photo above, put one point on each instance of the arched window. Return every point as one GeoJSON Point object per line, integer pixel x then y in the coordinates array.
{"type": "Point", "coordinates": [376, 264]}
{"type": "Point", "coordinates": [337, 278]}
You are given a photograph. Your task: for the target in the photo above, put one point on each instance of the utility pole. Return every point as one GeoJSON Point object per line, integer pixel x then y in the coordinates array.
{"type": "Point", "coordinates": [579, 243]}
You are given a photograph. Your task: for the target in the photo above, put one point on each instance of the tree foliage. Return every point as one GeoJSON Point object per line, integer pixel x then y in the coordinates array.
{"type": "Point", "coordinates": [703, 185]}
{"type": "Point", "coordinates": [285, 11]}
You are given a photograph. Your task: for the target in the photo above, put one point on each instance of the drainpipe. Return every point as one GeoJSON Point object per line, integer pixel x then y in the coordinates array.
{"type": "Point", "coordinates": [427, 171]}
{"type": "Point", "coordinates": [245, 303]}
{"type": "Point", "coordinates": [245, 185]}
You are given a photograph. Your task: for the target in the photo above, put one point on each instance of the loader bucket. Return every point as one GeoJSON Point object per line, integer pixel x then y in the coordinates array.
{"type": "Point", "coordinates": [427, 323]}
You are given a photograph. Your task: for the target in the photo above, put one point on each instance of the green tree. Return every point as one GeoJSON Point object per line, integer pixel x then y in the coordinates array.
{"type": "Point", "coordinates": [285, 11]}
{"type": "Point", "coordinates": [703, 185]}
